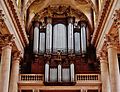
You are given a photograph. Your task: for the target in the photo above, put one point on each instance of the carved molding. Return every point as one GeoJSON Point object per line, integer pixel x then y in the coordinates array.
{"type": "Point", "coordinates": [116, 18]}
{"type": "Point", "coordinates": [60, 11]}
{"type": "Point", "coordinates": [82, 1]}
{"type": "Point", "coordinates": [1, 18]}
{"type": "Point", "coordinates": [101, 20]}
{"type": "Point", "coordinates": [16, 16]}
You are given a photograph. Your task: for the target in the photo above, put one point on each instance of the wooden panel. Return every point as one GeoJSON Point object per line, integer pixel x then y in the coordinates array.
{"type": "Point", "coordinates": [59, 90]}
{"type": "Point", "coordinates": [92, 91]}
{"type": "Point", "coordinates": [26, 91]}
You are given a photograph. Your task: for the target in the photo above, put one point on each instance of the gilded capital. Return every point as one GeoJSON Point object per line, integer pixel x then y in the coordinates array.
{"type": "Point", "coordinates": [7, 39]}
{"type": "Point", "coordinates": [102, 55]}
{"type": "Point", "coordinates": [111, 39]}
{"type": "Point", "coordinates": [17, 55]}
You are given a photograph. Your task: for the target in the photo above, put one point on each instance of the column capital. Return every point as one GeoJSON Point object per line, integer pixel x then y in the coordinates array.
{"type": "Point", "coordinates": [7, 39]}
{"type": "Point", "coordinates": [17, 56]}
{"type": "Point", "coordinates": [111, 40]}
{"type": "Point", "coordinates": [102, 55]}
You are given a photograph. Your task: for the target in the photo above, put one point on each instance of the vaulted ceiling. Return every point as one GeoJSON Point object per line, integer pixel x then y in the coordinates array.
{"type": "Point", "coordinates": [78, 7]}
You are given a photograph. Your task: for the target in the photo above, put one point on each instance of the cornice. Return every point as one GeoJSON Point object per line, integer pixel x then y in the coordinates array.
{"type": "Point", "coordinates": [101, 21]}
{"type": "Point", "coordinates": [21, 30]}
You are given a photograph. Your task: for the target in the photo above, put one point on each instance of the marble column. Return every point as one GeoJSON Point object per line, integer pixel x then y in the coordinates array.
{"type": "Point", "coordinates": [113, 63]}
{"type": "Point", "coordinates": [5, 61]}
{"type": "Point", "coordinates": [104, 71]}
{"type": "Point", "coordinates": [15, 72]}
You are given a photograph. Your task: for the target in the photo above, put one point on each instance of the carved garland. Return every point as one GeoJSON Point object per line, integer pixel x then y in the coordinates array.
{"type": "Point", "coordinates": [59, 10]}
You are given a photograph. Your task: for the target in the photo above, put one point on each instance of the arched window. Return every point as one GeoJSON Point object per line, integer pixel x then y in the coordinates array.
{"type": "Point", "coordinates": [59, 38]}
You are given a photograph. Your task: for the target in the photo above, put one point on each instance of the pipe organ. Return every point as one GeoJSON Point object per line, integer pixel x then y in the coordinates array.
{"type": "Point", "coordinates": [60, 34]}
{"type": "Point", "coordinates": [60, 49]}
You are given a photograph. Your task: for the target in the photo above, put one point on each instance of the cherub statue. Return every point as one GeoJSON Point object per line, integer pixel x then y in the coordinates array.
{"type": "Point", "coordinates": [59, 54]}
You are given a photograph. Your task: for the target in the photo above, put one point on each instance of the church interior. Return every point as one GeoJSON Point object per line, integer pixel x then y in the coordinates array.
{"type": "Point", "coordinates": [59, 45]}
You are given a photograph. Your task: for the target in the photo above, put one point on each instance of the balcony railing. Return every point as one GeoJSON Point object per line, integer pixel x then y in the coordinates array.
{"type": "Point", "coordinates": [31, 79]}
{"type": "Point", "coordinates": [39, 79]}
{"type": "Point", "coordinates": [88, 78]}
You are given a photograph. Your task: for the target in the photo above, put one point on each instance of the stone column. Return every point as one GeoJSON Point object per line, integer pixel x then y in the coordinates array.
{"type": "Point", "coordinates": [15, 72]}
{"type": "Point", "coordinates": [104, 71]}
{"type": "Point", "coordinates": [113, 63]}
{"type": "Point", "coordinates": [5, 61]}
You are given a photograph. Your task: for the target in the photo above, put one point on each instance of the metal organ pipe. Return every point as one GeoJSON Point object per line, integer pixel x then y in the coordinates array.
{"type": "Point", "coordinates": [72, 72]}
{"type": "Point", "coordinates": [36, 38]}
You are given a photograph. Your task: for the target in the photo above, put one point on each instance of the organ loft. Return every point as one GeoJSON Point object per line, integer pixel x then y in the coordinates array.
{"type": "Point", "coordinates": [59, 46]}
